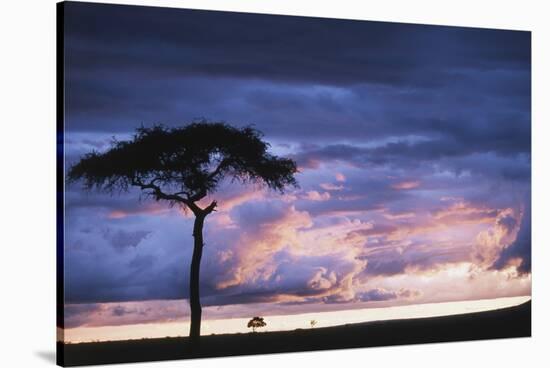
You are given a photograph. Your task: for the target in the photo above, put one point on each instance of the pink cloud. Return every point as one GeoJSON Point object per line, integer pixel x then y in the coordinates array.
{"type": "Point", "coordinates": [323, 279]}
{"type": "Point", "coordinates": [224, 220]}
{"type": "Point", "coordinates": [234, 197]}
{"type": "Point", "coordinates": [152, 209]}
{"type": "Point", "coordinates": [340, 177]}
{"type": "Point", "coordinates": [464, 212]}
{"type": "Point", "coordinates": [399, 216]}
{"type": "Point", "coordinates": [490, 243]}
{"type": "Point", "coordinates": [406, 185]}
{"type": "Point", "coordinates": [314, 195]}
{"type": "Point", "coordinates": [330, 186]}
{"type": "Point", "coordinates": [254, 255]}
{"type": "Point", "coordinates": [125, 313]}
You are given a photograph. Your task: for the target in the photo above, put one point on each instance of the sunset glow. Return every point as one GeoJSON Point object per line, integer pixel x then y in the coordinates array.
{"type": "Point", "coordinates": [289, 321]}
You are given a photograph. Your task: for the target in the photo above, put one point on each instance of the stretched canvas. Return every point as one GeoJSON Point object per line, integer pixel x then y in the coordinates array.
{"type": "Point", "coordinates": [233, 183]}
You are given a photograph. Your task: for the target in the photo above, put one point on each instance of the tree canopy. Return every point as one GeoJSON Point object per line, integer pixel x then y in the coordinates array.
{"type": "Point", "coordinates": [256, 322]}
{"type": "Point", "coordinates": [185, 164]}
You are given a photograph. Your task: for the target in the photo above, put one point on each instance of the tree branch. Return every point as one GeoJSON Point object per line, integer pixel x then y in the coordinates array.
{"type": "Point", "coordinates": [159, 194]}
{"type": "Point", "coordinates": [212, 176]}
{"type": "Point", "coordinates": [221, 166]}
{"type": "Point", "coordinates": [197, 196]}
{"type": "Point", "coordinates": [211, 207]}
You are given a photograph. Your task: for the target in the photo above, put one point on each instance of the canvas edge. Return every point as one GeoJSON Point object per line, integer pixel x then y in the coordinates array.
{"type": "Point", "coordinates": [60, 187]}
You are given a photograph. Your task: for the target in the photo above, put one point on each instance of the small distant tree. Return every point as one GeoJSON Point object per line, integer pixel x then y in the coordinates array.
{"type": "Point", "coordinates": [256, 322]}
{"type": "Point", "coordinates": [312, 323]}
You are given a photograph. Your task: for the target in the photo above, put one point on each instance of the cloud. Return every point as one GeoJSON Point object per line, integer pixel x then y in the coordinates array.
{"type": "Point", "coordinates": [266, 229]}
{"type": "Point", "coordinates": [464, 212]}
{"type": "Point", "coordinates": [116, 260]}
{"type": "Point", "coordinates": [314, 195]}
{"type": "Point", "coordinates": [517, 253]}
{"type": "Point", "coordinates": [121, 239]}
{"type": "Point", "coordinates": [119, 314]}
{"type": "Point", "coordinates": [270, 248]}
{"type": "Point", "coordinates": [377, 295]}
{"type": "Point", "coordinates": [340, 177]}
{"type": "Point", "coordinates": [77, 314]}
{"type": "Point", "coordinates": [406, 185]}
{"type": "Point", "coordinates": [463, 152]}
{"type": "Point", "coordinates": [399, 216]}
{"type": "Point", "coordinates": [330, 186]}
{"type": "Point", "coordinates": [142, 261]}
{"type": "Point", "coordinates": [411, 258]}
{"type": "Point", "coordinates": [119, 311]}
{"type": "Point", "coordinates": [454, 282]}
{"type": "Point", "coordinates": [323, 279]}
{"type": "Point", "coordinates": [145, 69]}
{"type": "Point", "coordinates": [269, 55]}
{"type": "Point", "coordinates": [491, 242]}
{"type": "Point", "coordinates": [151, 209]}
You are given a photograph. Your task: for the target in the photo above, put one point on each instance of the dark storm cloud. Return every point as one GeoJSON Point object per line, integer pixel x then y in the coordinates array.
{"type": "Point", "coordinates": [329, 51]}
{"type": "Point", "coordinates": [485, 157]}
{"type": "Point", "coordinates": [438, 138]}
{"type": "Point", "coordinates": [127, 66]}
{"type": "Point", "coordinates": [115, 260]}
{"type": "Point", "coordinates": [92, 282]}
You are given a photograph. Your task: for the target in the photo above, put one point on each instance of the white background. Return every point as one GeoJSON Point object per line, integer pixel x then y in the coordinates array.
{"type": "Point", "coordinates": [27, 181]}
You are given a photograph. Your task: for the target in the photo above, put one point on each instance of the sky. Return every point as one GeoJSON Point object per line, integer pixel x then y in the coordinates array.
{"type": "Point", "coordinates": [413, 144]}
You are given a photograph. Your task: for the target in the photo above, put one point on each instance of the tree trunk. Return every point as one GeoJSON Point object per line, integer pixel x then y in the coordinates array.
{"type": "Point", "coordinates": [194, 296]}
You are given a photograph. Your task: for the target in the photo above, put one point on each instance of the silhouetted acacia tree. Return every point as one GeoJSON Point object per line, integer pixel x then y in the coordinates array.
{"type": "Point", "coordinates": [182, 166]}
{"type": "Point", "coordinates": [255, 323]}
